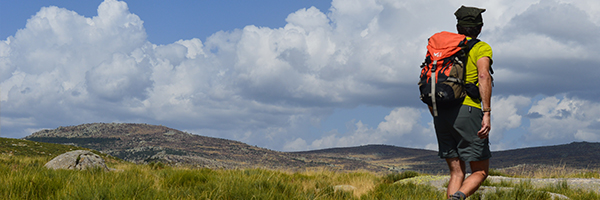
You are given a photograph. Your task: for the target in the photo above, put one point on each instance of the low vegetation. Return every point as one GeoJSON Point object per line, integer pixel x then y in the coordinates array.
{"type": "Point", "coordinates": [545, 171]}
{"type": "Point", "coordinates": [23, 176]}
{"type": "Point", "coordinates": [27, 178]}
{"type": "Point", "coordinates": [526, 190]}
{"type": "Point", "coordinates": [31, 149]}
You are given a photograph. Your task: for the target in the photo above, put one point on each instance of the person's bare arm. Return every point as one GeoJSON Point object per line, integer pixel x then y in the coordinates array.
{"type": "Point", "coordinates": [485, 90]}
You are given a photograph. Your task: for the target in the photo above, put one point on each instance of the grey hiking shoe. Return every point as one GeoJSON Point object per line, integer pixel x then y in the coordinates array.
{"type": "Point", "coordinates": [458, 196]}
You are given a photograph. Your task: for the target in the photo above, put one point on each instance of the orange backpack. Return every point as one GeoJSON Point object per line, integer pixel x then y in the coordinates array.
{"type": "Point", "coordinates": [442, 77]}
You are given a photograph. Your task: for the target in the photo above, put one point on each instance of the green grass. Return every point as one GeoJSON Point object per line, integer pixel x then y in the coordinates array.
{"type": "Point", "coordinates": [563, 187]}
{"type": "Point", "coordinates": [27, 148]}
{"type": "Point", "coordinates": [392, 178]}
{"type": "Point", "coordinates": [520, 191]}
{"type": "Point", "coordinates": [26, 178]}
{"type": "Point", "coordinates": [405, 191]}
{"type": "Point", "coordinates": [23, 176]}
{"type": "Point", "coordinates": [18, 147]}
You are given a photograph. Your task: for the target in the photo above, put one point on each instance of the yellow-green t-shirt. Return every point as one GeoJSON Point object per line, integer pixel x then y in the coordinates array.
{"type": "Point", "coordinates": [479, 50]}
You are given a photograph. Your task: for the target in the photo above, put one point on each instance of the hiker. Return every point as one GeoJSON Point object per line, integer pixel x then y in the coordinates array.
{"type": "Point", "coordinates": [462, 129]}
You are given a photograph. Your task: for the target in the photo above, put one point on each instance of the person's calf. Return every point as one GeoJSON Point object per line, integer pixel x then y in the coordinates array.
{"type": "Point", "coordinates": [472, 183]}
{"type": "Point", "coordinates": [454, 184]}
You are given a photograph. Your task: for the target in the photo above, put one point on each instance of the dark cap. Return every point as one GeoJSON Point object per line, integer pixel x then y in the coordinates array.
{"type": "Point", "coordinates": [469, 16]}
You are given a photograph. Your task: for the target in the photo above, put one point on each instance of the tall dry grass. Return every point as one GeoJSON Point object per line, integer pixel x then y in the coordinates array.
{"type": "Point", "coordinates": [25, 177]}
{"type": "Point", "coordinates": [546, 171]}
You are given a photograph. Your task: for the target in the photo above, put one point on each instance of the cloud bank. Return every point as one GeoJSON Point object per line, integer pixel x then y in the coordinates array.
{"type": "Point", "coordinates": [268, 86]}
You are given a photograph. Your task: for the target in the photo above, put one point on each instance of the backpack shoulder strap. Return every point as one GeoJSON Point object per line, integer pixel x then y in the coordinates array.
{"type": "Point", "coordinates": [471, 43]}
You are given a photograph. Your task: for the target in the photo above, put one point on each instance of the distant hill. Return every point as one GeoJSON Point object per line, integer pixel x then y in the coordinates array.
{"type": "Point", "coordinates": [583, 155]}
{"type": "Point", "coordinates": [143, 143]}
{"type": "Point", "coordinates": [579, 155]}
{"type": "Point", "coordinates": [380, 158]}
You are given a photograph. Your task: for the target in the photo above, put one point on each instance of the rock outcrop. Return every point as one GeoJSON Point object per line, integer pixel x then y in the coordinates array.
{"type": "Point", "coordinates": [79, 160]}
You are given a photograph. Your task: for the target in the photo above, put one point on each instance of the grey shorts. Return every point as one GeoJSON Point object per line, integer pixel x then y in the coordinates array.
{"type": "Point", "coordinates": [456, 131]}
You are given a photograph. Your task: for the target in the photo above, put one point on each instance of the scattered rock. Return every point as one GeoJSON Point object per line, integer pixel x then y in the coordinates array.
{"type": "Point", "coordinates": [576, 183]}
{"type": "Point", "coordinates": [79, 160]}
{"type": "Point", "coordinates": [440, 182]}
{"type": "Point", "coordinates": [176, 160]}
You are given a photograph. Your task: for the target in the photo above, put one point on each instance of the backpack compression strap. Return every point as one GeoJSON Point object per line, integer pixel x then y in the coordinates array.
{"type": "Point", "coordinates": [433, 80]}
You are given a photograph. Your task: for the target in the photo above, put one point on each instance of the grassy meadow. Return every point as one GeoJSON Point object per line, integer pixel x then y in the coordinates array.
{"type": "Point", "coordinates": [23, 176]}
{"type": "Point", "coordinates": [27, 178]}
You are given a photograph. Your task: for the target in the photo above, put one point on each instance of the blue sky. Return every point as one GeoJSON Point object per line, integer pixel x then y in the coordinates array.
{"type": "Point", "coordinates": [169, 21]}
{"type": "Point", "coordinates": [291, 75]}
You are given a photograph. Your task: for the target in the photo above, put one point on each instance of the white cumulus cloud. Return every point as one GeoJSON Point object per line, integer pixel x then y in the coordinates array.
{"type": "Point", "coordinates": [268, 86]}
{"type": "Point", "coordinates": [401, 127]}
{"type": "Point", "coordinates": [557, 119]}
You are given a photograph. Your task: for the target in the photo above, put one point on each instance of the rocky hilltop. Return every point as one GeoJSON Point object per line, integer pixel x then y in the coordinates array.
{"type": "Point", "coordinates": [142, 143]}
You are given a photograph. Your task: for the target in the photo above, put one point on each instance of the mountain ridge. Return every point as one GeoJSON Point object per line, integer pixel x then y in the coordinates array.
{"type": "Point", "coordinates": [144, 143]}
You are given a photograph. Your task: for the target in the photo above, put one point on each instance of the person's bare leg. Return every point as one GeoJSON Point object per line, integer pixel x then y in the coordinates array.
{"type": "Point", "coordinates": [457, 175]}
{"type": "Point", "coordinates": [480, 172]}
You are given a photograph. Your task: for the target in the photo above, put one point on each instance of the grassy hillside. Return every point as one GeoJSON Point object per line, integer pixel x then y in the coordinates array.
{"type": "Point", "coordinates": [41, 150]}
{"type": "Point", "coordinates": [20, 147]}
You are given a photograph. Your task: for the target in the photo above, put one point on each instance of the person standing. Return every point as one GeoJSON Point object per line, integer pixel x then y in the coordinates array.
{"type": "Point", "coordinates": [462, 131]}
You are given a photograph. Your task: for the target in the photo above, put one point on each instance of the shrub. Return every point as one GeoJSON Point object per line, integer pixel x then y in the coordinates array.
{"type": "Point", "coordinates": [392, 178]}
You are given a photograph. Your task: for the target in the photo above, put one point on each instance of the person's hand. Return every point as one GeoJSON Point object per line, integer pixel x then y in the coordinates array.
{"type": "Point", "coordinates": [486, 126]}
